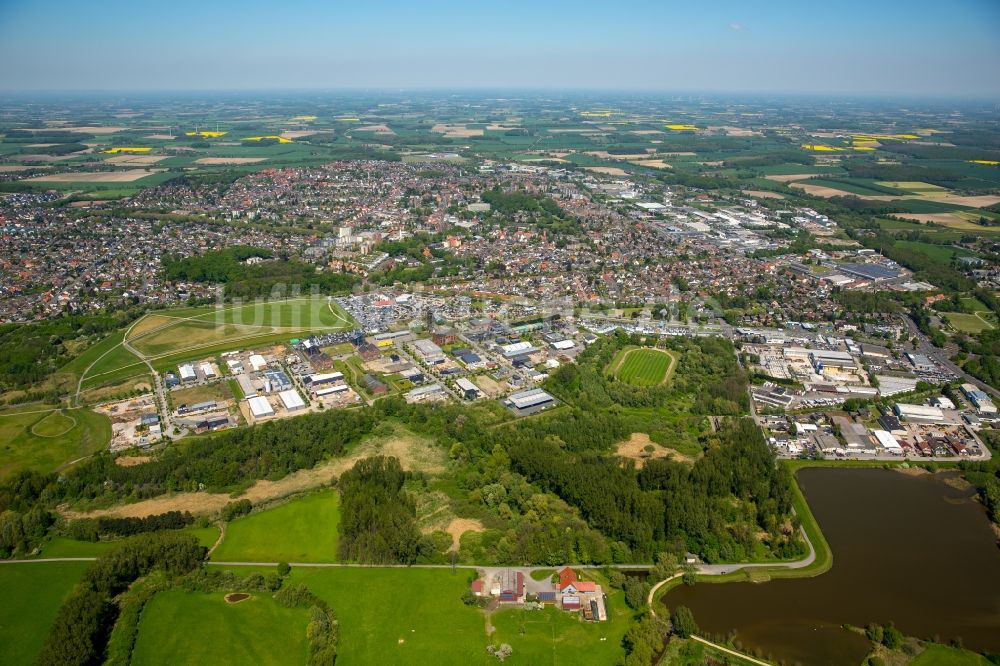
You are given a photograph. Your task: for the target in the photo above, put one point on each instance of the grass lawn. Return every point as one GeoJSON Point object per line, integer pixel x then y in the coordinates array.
{"type": "Point", "coordinates": [555, 637]}
{"type": "Point", "coordinates": [943, 655]}
{"type": "Point", "coordinates": [402, 616]}
{"type": "Point", "coordinates": [44, 440]}
{"type": "Point", "coordinates": [32, 593]}
{"type": "Point", "coordinates": [117, 361]}
{"type": "Point", "coordinates": [302, 530]}
{"type": "Point", "coordinates": [179, 627]}
{"type": "Point", "coordinates": [643, 367]}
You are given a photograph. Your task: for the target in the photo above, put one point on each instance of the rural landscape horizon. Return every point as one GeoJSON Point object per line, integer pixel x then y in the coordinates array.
{"type": "Point", "coordinates": [632, 334]}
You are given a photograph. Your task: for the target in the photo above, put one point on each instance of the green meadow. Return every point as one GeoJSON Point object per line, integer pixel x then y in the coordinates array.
{"type": "Point", "coordinates": [31, 595]}
{"type": "Point", "coordinates": [45, 439]}
{"type": "Point", "coordinates": [302, 530]}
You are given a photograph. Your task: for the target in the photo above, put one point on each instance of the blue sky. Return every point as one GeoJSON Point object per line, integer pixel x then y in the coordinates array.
{"type": "Point", "coordinates": [884, 47]}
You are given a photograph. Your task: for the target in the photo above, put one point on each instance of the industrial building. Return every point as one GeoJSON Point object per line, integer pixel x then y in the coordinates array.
{"type": "Point", "coordinates": [822, 358]}
{"type": "Point", "coordinates": [257, 362]}
{"type": "Point", "coordinates": [518, 349]}
{"type": "Point", "coordinates": [919, 413]}
{"type": "Point", "coordinates": [469, 390]}
{"type": "Point", "coordinates": [529, 402]}
{"type": "Point", "coordinates": [187, 373]}
{"type": "Point", "coordinates": [292, 400]}
{"type": "Point", "coordinates": [260, 408]}
{"type": "Point", "coordinates": [317, 381]}
{"type": "Point", "coordinates": [429, 392]}
{"type": "Point", "coordinates": [208, 370]}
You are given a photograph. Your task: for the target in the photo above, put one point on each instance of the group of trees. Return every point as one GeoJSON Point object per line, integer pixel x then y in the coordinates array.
{"type": "Point", "coordinates": [242, 280]}
{"type": "Point", "coordinates": [378, 518]}
{"type": "Point", "coordinates": [92, 529]}
{"type": "Point", "coordinates": [84, 622]}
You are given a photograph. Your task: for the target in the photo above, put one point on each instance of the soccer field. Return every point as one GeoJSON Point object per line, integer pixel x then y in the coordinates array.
{"type": "Point", "coordinates": [643, 367]}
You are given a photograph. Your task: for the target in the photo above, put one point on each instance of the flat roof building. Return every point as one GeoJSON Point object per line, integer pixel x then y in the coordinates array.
{"type": "Point", "coordinates": [257, 362]}
{"type": "Point", "coordinates": [187, 373]}
{"type": "Point", "coordinates": [919, 413]}
{"type": "Point", "coordinates": [529, 402]}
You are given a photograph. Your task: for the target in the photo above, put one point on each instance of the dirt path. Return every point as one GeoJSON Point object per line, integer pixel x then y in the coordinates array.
{"type": "Point", "coordinates": [218, 542]}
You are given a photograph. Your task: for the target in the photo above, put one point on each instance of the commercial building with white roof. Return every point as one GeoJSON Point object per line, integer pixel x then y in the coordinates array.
{"type": "Point", "coordinates": [260, 408]}
{"type": "Point", "coordinates": [291, 400]}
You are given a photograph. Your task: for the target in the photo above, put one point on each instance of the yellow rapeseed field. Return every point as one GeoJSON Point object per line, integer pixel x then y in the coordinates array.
{"type": "Point", "coordinates": [279, 139]}
{"type": "Point", "coordinates": [820, 148]}
{"type": "Point", "coordinates": [128, 149]}
{"type": "Point", "coordinates": [678, 127]}
{"type": "Point", "coordinates": [304, 118]}
{"type": "Point", "coordinates": [986, 162]}
{"type": "Point", "coordinates": [206, 134]}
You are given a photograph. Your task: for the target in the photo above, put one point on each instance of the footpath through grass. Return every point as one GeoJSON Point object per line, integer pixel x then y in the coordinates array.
{"type": "Point", "coordinates": [30, 596]}
{"type": "Point", "coordinates": [301, 530]}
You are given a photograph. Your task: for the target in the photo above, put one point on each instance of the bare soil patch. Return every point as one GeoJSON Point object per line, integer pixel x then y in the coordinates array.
{"type": "Point", "coordinates": [96, 176]}
{"type": "Point", "coordinates": [160, 137]}
{"type": "Point", "coordinates": [456, 131]}
{"type": "Point", "coordinates": [647, 132]}
{"type": "Point", "coordinates": [787, 178]}
{"type": "Point", "coordinates": [132, 461]}
{"type": "Point", "coordinates": [460, 526]}
{"type": "Point", "coordinates": [656, 164]}
{"type": "Point", "coordinates": [11, 168]}
{"type": "Point", "coordinates": [764, 194]}
{"type": "Point", "coordinates": [135, 160]}
{"type": "Point", "coordinates": [378, 129]}
{"type": "Point", "coordinates": [608, 171]}
{"type": "Point", "coordinates": [634, 448]}
{"type": "Point", "coordinates": [229, 160]}
{"type": "Point", "coordinates": [940, 218]}
{"type": "Point", "coordinates": [236, 597]}
{"type": "Point", "coordinates": [297, 134]}
{"type": "Point", "coordinates": [605, 155]}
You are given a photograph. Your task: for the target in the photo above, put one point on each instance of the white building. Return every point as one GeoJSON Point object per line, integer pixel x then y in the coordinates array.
{"type": "Point", "coordinates": [187, 373]}
{"type": "Point", "coordinates": [260, 407]}
{"type": "Point", "coordinates": [919, 413]}
{"type": "Point", "coordinates": [257, 362]}
{"type": "Point", "coordinates": [291, 400]}
{"type": "Point", "coordinates": [207, 370]}
{"type": "Point", "coordinates": [887, 441]}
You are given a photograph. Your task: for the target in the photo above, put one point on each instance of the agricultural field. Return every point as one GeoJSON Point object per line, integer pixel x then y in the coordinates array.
{"type": "Point", "coordinates": [643, 366]}
{"type": "Point", "coordinates": [32, 594]}
{"type": "Point", "coordinates": [301, 530]}
{"type": "Point", "coordinates": [179, 627]}
{"type": "Point", "coordinates": [45, 439]}
{"type": "Point", "coordinates": [408, 616]}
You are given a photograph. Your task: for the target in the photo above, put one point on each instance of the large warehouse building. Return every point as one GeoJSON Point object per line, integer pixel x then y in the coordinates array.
{"type": "Point", "coordinates": [529, 402]}
{"type": "Point", "coordinates": [260, 408]}
{"type": "Point", "coordinates": [919, 413]}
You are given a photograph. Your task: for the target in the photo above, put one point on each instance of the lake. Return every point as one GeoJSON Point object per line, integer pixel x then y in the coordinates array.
{"type": "Point", "coordinates": [911, 549]}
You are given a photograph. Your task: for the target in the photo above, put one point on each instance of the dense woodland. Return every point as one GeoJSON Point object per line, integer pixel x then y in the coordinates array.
{"type": "Point", "coordinates": [379, 518]}
{"type": "Point", "coordinates": [242, 280]}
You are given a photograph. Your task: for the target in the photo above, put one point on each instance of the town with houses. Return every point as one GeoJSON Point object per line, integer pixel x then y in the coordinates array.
{"type": "Point", "coordinates": [504, 298]}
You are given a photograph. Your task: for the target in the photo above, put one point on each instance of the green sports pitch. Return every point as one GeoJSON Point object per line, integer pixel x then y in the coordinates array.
{"type": "Point", "coordinates": [643, 366]}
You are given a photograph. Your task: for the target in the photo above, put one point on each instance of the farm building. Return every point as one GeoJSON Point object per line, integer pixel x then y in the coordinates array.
{"type": "Point", "coordinates": [260, 407]}
{"type": "Point", "coordinates": [508, 586]}
{"type": "Point", "coordinates": [291, 400]}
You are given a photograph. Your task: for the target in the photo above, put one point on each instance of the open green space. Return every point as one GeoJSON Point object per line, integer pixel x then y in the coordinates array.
{"type": "Point", "coordinates": [60, 546]}
{"type": "Point", "coordinates": [944, 655]}
{"type": "Point", "coordinates": [967, 323]}
{"type": "Point", "coordinates": [301, 530]}
{"type": "Point", "coordinates": [179, 627]}
{"type": "Point", "coordinates": [401, 616]}
{"type": "Point", "coordinates": [643, 366]}
{"type": "Point", "coordinates": [31, 595]}
{"type": "Point", "coordinates": [44, 439]}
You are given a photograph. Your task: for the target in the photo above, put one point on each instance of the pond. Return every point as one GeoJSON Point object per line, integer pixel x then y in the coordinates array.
{"type": "Point", "coordinates": [913, 549]}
